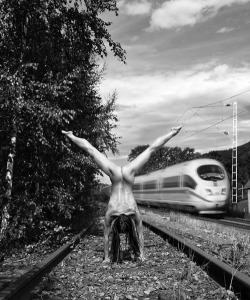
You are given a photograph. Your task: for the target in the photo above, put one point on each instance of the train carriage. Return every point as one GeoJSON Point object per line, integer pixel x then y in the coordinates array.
{"type": "Point", "coordinates": [199, 185]}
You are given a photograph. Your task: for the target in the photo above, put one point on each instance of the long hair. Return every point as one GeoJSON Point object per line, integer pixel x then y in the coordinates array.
{"type": "Point", "coordinates": [123, 224]}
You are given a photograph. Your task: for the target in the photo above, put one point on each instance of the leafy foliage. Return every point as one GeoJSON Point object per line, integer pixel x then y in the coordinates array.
{"type": "Point", "coordinates": [49, 81]}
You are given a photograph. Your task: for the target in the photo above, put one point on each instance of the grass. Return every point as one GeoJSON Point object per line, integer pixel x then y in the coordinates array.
{"type": "Point", "coordinates": [232, 244]}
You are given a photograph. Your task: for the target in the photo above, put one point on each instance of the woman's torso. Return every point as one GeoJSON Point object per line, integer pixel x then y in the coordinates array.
{"type": "Point", "coordinates": [122, 199]}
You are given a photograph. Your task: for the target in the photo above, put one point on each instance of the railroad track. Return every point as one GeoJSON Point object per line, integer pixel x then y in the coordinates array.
{"type": "Point", "coordinates": [20, 289]}
{"type": "Point", "coordinates": [239, 219]}
{"type": "Point", "coordinates": [165, 272]}
{"type": "Point", "coordinates": [227, 221]}
{"type": "Point", "coordinates": [236, 223]}
{"type": "Point", "coordinates": [219, 271]}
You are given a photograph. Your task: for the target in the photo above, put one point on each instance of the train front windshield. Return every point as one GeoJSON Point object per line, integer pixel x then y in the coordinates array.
{"type": "Point", "coordinates": [211, 172]}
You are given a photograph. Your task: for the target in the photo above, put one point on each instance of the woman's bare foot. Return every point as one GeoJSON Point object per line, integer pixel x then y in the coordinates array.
{"type": "Point", "coordinates": [69, 134]}
{"type": "Point", "coordinates": [175, 130]}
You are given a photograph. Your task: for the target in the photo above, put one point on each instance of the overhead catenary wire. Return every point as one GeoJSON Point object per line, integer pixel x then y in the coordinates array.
{"type": "Point", "coordinates": [205, 120]}
{"type": "Point", "coordinates": [210, 104]}
{"type": "Point", "coordinates": [171, 124]}
{"type": "Point", "coordinates": [180, 140]}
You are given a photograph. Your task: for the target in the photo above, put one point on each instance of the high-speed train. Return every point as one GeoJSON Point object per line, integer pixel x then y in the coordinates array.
{"type": "Point", "coordinates": [200, 185]}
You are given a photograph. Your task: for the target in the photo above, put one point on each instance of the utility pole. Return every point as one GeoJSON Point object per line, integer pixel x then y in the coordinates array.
{"type": "Point", "coordinates": [234, 157]}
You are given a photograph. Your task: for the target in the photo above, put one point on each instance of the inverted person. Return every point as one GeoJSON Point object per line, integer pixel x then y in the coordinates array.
{"type": "Point", "coordinates": [122, 214]}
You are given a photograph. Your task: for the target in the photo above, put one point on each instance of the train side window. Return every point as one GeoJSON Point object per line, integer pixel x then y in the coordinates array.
{"type": "Point", "coordinates": [170, 182]}
{"type": "Point", "coordinates": [150, 185]}
{"type": "Point", "coordinates": [189, 182]}
{"type": "Point", "coordinates": [136, 187]}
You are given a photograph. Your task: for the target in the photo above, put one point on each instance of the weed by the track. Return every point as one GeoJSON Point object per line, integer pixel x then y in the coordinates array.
{"type": "Point", "coordinates": [232, 245]}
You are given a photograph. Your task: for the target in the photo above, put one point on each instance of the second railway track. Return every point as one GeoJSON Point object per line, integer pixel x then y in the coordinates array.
{"type": "Point", "coordinates": [236, 223]}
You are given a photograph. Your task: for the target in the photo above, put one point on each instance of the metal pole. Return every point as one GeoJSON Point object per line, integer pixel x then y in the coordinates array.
{"type": "Point", "coordinates": [234, 157]}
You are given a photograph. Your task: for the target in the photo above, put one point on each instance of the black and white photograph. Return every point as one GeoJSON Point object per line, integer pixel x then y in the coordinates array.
{"type": "Point", "coordinates": [124, 149]}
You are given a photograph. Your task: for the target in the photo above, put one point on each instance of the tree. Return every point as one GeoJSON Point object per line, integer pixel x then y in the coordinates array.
{"type": "Point", "coordinates": [8, 184]}
{"type": "Point", "coordinates": [49, 81]}
{"type": "Point", "coordinates": [244, 168]}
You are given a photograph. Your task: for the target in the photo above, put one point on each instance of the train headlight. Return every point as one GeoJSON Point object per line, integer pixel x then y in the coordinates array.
{"type": "Point", "coordinates": [223, 191]}
{"type": "Point", "coordinates": [209, 192]}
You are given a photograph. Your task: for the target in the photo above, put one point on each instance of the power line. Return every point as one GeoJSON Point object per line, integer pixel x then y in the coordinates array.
{"type": "Point", "coordinates": [210, 104]}
{"type": "Point", "coordinates": [171, 124]}
{"type": "Point", "coordinates": [205, 120]}
{"type": "Point", "coordinates": [210, 126]}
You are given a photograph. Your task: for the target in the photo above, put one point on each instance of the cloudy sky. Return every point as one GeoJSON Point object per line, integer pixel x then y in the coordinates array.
{"type": "Point", "coordinates": [187, 60]}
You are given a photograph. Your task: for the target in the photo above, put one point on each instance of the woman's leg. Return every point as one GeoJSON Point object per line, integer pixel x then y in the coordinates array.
{"type": "Point", "coordinates": [108, 167]}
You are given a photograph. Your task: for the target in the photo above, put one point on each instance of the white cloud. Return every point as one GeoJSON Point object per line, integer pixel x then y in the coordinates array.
{"type": "Point", "coordinates": [120, 4]}
{"type": "Point", "coordinates": [177, 13]}
{"type": "Point", "coordinates": [134, 38]}
{"type": "Point", "coordinates": [141, 7]}
{"type": "Point", "coordinates": [158, 100]}
{"type": "Point", "coordinates": [219, 71]}
{"type": "Point", "coordinates": [225, 30]}
{"type": "Point", "coordinates": [143, 90]}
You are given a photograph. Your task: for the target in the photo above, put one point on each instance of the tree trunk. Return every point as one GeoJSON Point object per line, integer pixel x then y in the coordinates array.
{"type": "Point", "coordinates": [8, 185]}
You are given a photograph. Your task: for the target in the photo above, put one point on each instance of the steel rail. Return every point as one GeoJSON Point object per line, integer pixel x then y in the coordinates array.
{"type": "Point", "coordinates": [222, 273]}
{"type": "Point", "coordinates": [227, 222]}
{"type": "Point", "coordinates": [236, 224]}
{"type": "Point", "coordinates": [20, 288]}
{"type": "Point", "coordinates": [240, 220]}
